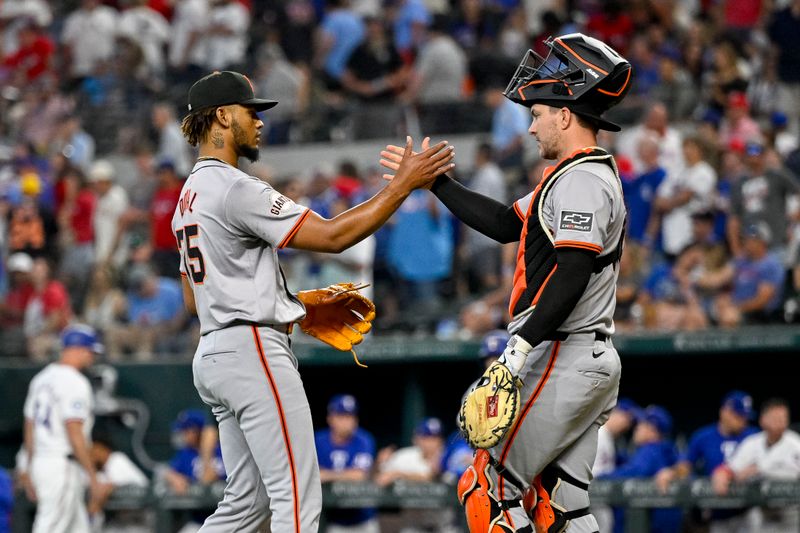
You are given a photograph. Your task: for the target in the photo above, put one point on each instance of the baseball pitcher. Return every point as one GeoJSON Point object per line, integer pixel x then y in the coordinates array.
{"type": "Point", "coordinates": [229, 226]}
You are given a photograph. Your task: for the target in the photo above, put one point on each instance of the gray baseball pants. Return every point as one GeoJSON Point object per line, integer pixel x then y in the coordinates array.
{"type": "Point", "coordinates": [566, 397]}
{"type": "Point", "coordinates": [248, 376]}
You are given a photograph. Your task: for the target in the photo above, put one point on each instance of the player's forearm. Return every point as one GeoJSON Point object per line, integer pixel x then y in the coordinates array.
{"type": "Point", "coordinates": [481, 213]}
{"type": "Point", "coordinates": [352, 226]}
{"type": "Point", "coordinates": [28, 441]}
{"type": "Point", "coordinates": [560, 296]}
{"type": "Point", "coordinates": [350, 474]}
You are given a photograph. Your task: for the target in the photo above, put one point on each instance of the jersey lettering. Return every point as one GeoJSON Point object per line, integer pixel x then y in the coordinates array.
{"type": "Point", "coordinates": [192, 256]}
{"type": "Point", "coordinates": [278, 204]}
{"type": "Point", "coordinates": [187, 201]}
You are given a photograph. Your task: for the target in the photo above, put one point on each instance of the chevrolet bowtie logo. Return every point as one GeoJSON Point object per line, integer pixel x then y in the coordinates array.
{"type": "Point", "coordinates": [576, 218]}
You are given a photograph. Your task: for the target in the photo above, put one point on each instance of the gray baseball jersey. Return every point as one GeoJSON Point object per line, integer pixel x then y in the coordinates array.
{"type": "Point", "coordinates": [229, 226]}
{"type": "Point", "coordinates": [585, 209]}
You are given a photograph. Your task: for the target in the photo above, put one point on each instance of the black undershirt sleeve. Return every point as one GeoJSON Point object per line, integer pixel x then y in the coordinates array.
{"type": "Point", "coordinates": [481, 213]}
{"type": "Point", "coordinates": [560, 295]}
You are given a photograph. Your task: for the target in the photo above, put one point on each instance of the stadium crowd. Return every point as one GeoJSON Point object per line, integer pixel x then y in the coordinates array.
{"type": "Point", "coordinates": [92, 158]}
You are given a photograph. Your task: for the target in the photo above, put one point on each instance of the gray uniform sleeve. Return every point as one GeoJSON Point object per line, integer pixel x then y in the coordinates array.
{"type": "Point", "coordinates": [582, 206]}
{"type": "Point", "coordinates": [522, 205]}
{"type": "Point", "coordinates": [255, 208]}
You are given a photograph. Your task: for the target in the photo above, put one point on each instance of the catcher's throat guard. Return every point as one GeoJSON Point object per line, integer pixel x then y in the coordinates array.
{"type": "Point", "coordinates": [485, 513]}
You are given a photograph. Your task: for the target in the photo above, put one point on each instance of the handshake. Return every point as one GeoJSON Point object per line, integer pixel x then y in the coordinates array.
{"type": "Point", "coordinates": [492, 407]}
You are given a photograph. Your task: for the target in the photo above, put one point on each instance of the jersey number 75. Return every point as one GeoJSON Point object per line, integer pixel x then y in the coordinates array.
{"type": "Point", "coordinates": [191, 255]}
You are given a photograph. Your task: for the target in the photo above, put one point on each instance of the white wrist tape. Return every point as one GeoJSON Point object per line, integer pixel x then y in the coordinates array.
{"type": "Point", "coordinates": [515, 354]}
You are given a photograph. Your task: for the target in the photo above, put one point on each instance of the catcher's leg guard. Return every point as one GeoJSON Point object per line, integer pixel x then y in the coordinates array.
{"type": "Point", "coordinates": [554, 500]}
{"type": "Point", "coordinates": [476, 493]}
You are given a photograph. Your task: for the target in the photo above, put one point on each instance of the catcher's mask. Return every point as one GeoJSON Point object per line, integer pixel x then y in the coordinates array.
{"type": "Point", "coordinates": [580, 73]}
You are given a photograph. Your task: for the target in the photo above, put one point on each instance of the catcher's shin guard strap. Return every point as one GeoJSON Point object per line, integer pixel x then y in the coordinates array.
{"type": "Point", "coordinates": [476, 493]}
{"type": "Point", "coordinates": [540, 505]}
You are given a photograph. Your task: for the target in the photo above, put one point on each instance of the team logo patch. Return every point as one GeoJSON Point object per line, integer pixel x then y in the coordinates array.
{"type": "Point", "coordinates": [491, 406]}
{"type": "Point", "coordinates": [576, 221]}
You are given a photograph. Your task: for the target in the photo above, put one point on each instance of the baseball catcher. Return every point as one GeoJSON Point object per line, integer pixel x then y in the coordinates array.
{"type": "Point", "coordinates": [537, 409]}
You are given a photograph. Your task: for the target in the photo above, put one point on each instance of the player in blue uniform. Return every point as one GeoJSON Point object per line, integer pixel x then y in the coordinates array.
{"type": "Point", "coordinates": [346, 453]}
{"type": "Point", "coordinates": [712, 445]}
{"type": "Point", "coordinates": [654, 451]}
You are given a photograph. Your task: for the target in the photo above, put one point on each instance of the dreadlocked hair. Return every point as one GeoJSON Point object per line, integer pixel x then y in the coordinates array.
{"type": "Point", "coordinates": [196, 125]}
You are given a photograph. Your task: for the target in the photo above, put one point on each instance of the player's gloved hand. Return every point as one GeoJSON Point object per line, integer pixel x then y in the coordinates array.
{"type": "Point", "coordinates": [515, 355]}
{"type": "Point", "coordinates": [337, 315]}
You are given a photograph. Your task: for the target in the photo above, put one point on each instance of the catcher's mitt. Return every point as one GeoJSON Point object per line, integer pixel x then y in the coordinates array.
{"type": "Point", "coordinates": [490, 408]}
{"type": "Point", "coordinates": [337, 315]}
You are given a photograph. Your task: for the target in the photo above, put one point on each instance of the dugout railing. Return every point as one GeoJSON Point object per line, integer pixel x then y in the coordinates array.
{"type": "Point", "coordinates": [636, 495]}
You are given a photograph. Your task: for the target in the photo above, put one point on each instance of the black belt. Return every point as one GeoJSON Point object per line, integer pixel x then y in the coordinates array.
{"type": "Point", "coordinates": [286, 329]}
{"type": "Point", "coordinates": [562, 336]}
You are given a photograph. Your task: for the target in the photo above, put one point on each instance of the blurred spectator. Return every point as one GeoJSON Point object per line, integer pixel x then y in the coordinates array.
{"type": "Point", "coordinates": [171, 144]}
{"type": "Point", "coordinates": [773, 453]}
{"type": "Point", "coordinates": [115, 470]}
{"type": "Point", "coordinates": [48, 312]}
{"type": "Point", "coordinates": [783, 29]}
{"type": "Point", "coordinates": [456, 458]}
{"type": "Point", "coordinates": [509, 130]}
{"type": "Point", "coordinates": [760, 196]}
{"type": "Point", "coordinates": [419, 462]}
{"type": "Point", "coordinates": [780, 136]}
{"type": "Point", "coordinates": [185, 53]}
{"type": "Point", "coordinates": [699, 269]}
{"type": "Point", "coordinates": [757, 278]}
{"type": "Point", "coordinates": [481, 254]}
{"type": "Point", "coordinates": [191, 464]}
{"type": "Point", "coordinates": [629, 312]}
{"type": "Point", "coordinates": [375, 74]}
{"type": "Point", "coordinates": [437, 80]}
{"type": "Point", "coordinates": [155, 315]}
{"type": "Point", "coordinates": [728, 76]}
{"type": "Point", "coordinates": [612, 25]}
{"type": "Point", "coordinates": [737, 125]}
{"type": "Point", "coordinates": [160, 208]}
{"type": "Point", "coordinates": [353, 264]}
{"type": "Point", "coordinates": [620, 421]}
{"type": "Point", "coordinates": [187, 467]}
{"type": "Point", "coordinates": [740, 17]}
{"type": "Point", "coordinates": [76, 234]}
{"type": "Point", "coordinates": [12, 309]}
{"type": "Point", "coordinates": [654, 124]}
{"type": "Point", "coordinates": [105, 305]}
{"type": "Point", "coordinates": [112, 202]}
{"type": "Point", "coordinates": [346, 453]}
{"type": "Point", "coordinates": [286, 83]}
{"type": "Point", "coordinates": [225, 35]}
{"type": "Point", "coordinates": [74, 142]}
{"type": "Point", "coordinates": [31, 59]}
{"type": "Point", "coordinates": [339, 33]}
{"type": "Point", "coordinates": [680, 195]}
{"type": "Point", "coordinates": [89, 36]}
{"type": "Point", "coordinates": [149, 30]}
{"type": "Point", "coordinates": [411, 18]}
{"type": "Point", "coordinates": [492, 346]}
{"type": "Point", "coordinates": [640, 192]}
{"type": "Point", "coordinates": [709, 447]}
{"type": "Point", "coordinates": [31, 229]}
{"type": "Point", "coordinates": [653, 452]}
{"type": "Point", "coordinates": [6, 501]}
{"type": "Point", "coordinates": [420, 250]}
{"type": "Point", "coordinates": [675, 87]}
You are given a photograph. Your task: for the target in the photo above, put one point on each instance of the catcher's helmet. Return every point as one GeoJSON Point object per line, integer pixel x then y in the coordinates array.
{"type": "Point", "coordinates": [580, 73]}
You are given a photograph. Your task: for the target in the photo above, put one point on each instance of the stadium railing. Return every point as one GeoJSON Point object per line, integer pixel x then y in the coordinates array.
{"type": "Point", "coordinates": [636, 495]}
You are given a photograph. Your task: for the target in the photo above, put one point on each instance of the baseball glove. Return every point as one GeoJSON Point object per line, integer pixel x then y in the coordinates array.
{"type": "Point", "coordinates": [337, 315]}
{"type": "Point", "coordinates": [491, 408]}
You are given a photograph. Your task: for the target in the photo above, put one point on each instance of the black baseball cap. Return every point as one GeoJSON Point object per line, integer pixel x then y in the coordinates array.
{"type": "Point", "coordinates": [225, 88]}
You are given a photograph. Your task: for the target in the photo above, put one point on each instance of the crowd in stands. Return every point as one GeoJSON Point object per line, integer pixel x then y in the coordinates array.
{"type": "Point", "coordinates": [92, 158]}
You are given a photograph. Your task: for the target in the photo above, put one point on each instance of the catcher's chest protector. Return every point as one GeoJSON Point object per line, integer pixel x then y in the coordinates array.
{"type": "Point", "coordinates": [536, 255]}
